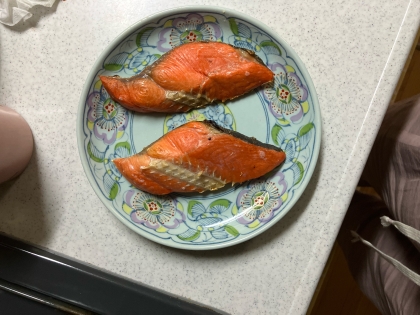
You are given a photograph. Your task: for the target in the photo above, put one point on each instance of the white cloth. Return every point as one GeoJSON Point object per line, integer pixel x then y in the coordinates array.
{"type": "Point", "coordinates": [393, 170]}
{"type": "Point", "coordinates": [12, 11]}
{"type": "Point", "coordinates": [410, 274]}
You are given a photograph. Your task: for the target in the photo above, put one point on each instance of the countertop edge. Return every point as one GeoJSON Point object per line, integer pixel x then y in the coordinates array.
{"type": "Point", "coordinates": [360, 152]}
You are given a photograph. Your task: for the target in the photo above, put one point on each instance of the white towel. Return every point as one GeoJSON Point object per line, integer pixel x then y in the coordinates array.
{"type": "Point", "coordinates": [12, 11]}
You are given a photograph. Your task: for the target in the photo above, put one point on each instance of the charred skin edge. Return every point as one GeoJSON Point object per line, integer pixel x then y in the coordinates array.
{"type": "Point", "coordinates": [146, 71]}
{"type": "Point", "coordinates": [252, 54]}
{"type": "Point", "coordinates": [240, 136]}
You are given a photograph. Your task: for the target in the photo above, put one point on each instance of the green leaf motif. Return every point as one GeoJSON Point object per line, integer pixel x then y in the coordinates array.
{"type": "Point", "coordinates": [123, 148]}
{"type": "Point", "coordinates": [113, 67]}
{"type": "Point", "coordinates": [189, 236]}
{"type": "Point", "coordinates": [301, 172]}
{"type": "Point", "coordinates": [191, 204]}
{"type": "Point", "coordinates": [143, 35]}
{"type": "Point", "coordinates": [94, 153]}
{"type": "Point", "coordinates": [221, 202]}
{"type": "Point", "coordinates": [275, 132]}
{"type": "Point", "coordinates": [270, 47]}
{"type": "Point", "coordinates": [114, 191]}
{"type": "Point", "coordinates": [234, 26]}
{"type": "Point", "coordinates": [305, 129]}
{"type": "Point", "coordinates": [283, 122]}
{"type": "Point", "coordinates": [231, 230]}
{"type": "Point", "coordinates": [116, 63]}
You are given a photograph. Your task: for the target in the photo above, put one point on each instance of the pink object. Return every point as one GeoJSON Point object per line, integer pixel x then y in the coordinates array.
{"type": "Point", "coordinates": [16, 144]}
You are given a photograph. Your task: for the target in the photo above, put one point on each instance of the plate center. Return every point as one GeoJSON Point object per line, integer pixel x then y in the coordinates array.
{"type": "Point", "coordinates": [246, 115]}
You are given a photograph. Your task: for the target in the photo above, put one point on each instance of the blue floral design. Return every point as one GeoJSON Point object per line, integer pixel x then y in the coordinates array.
{"type": "Point", "coordinates": [206, 219]}
{"type": "Point", "coordinates": [111, 177]}
{"type": "Point", "coordinates": [131, 62]}
{"type": "Point", "coordinates": [121, 150]}
{"type": "Point", "coordinates": [242, 36]}
{"type": "Point", "coordinates": [137, 62]}
{"type": "Point", "coordinates": [266, 49]}
{"type": "Point", "coordinates": [175, 121]}
{"type": "Point", "coordinates": [218, 115]}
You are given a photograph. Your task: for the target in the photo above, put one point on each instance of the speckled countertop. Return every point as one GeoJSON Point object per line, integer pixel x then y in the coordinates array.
{"type": "Point", "coordinates": [354, 50]}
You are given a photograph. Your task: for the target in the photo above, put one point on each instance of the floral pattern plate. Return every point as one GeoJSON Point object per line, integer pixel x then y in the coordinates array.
{"type": "Point", "coordinates": [285, 113]}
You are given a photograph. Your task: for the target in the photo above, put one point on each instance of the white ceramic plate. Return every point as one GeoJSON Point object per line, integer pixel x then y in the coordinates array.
{"type": "Point", "coordinates": [106, 130]}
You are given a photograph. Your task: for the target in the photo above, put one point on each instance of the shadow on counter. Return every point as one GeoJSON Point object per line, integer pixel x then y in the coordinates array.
{"type": "Point", "coordinates": [22, 204]}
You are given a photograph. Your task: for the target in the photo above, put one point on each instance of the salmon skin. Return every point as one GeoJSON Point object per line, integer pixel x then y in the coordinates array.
{"type": "Point", "coordinates": [196, 157]}
{"type": "Point", "coordinates": [190, 76]}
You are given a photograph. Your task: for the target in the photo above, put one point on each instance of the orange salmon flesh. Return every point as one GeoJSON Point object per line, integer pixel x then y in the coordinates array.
{"type": "Point", "coordinates": [197, 157]}
{"type": "Point", "coordinates": [190, 76]}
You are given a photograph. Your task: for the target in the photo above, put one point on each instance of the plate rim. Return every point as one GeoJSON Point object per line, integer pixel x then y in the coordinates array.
{"type": "Point", "coordinates": [158, 16]}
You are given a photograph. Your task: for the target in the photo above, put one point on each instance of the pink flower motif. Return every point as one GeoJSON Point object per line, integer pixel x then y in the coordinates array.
{"type": "Point", "coordinates": [107, 116]}
{"type": "Point", "coordinates": [261, 199]}
{"type": "Point", "coordinates": [286, 94]}
{"type": "Point", "coordinates": [186, 30]}
{"type": "Point", "coordinates": [153, 211]}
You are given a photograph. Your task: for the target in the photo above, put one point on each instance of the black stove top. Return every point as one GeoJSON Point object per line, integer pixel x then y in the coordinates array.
{"type": "Point", "coordinates": [37, 281]}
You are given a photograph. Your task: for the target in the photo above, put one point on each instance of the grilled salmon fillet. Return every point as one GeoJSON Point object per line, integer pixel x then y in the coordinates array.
{"type": "Point", "coordinates": [190, 76]}
{"type": "Point", "coordinates": [196, 157]}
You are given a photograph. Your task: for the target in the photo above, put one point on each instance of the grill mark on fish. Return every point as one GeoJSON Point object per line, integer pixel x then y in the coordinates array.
{"type": "Point", "coordinates": [179, 98]}
{"type": "Point", "coordinates": [200, 180]}
{"type": "Point", "coordinates": [195, 101]}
